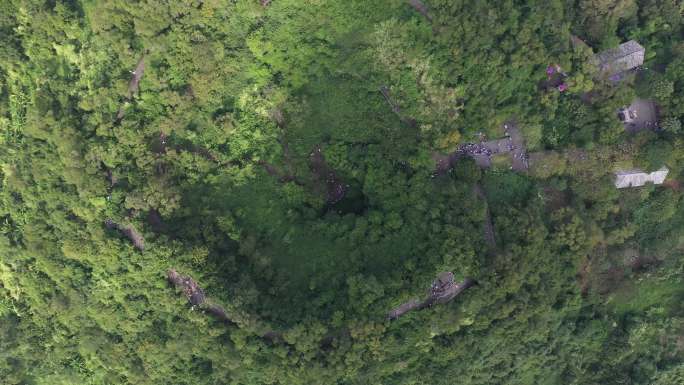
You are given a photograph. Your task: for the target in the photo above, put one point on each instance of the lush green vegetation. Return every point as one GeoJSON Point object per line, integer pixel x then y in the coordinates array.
{"type": "Point", "coordinates": [211, 161]}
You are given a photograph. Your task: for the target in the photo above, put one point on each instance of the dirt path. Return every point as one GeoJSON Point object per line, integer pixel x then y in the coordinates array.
{"type": "Point", "coordinates": [129, 232]}
{"type": "Point", "coordinates": [443, 290]}
{"type": "Point", "coordinates": [403, 309]}
{"type": "Point", "coordinates": [197, 298]}
{"type": "Point", "coordinates": [385, 91]}
{"type": "Point", "coordinates": [673, 184]}
{"type": "Point", "coordinates": [444, 163]}
{"type": "Point", "coordinates": [489, 234]}
{"type": "Point", "coordinates": [421, 8]}
{"type": "Point", "coordinates": [190, 288]}
{"type": "Point", "coordinates": [195, 295]}
{"type": "Point", "coordinates": [137, 76]}
{"type": "Point", "coordinates": [133, 86]}
{"type": "Point", "coordinates": [336, 189]}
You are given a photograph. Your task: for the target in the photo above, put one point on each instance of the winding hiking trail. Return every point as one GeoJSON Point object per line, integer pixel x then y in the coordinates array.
{"type": "Point", "coordinates": [421, 8]}
{"type": "Point", "coordinates": [287, 174]}
{"type": "Point", "coordinates": [197, 298]}
{"type": "Point", "coordinates": [190, 288]}
{"type": "Point", "coordinates": [137, 76]}
{"type": "Point", "coordinates": [489, 234]}
{"type": "Point", "coordinates": [409, 121]}
{"type": "Point", "coordinates": [195, 294]}
{"type": "Point", "coordinates": [336, 189]}
{"type": "Point", "coordinates": [133, 87]}
{"type": "Point", "coordinates": [129, 232]}
{"type": "Point", "coordinates": [443, 290]}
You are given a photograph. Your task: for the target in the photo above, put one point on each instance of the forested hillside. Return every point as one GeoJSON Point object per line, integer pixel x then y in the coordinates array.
{"type": "Point", "coordinates": [257, 192]}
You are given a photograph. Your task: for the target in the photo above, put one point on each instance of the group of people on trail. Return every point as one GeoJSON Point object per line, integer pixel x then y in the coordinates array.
{"type": "Point", "coordinates": [475, 149]}
{"type": "Point", "coordinates": [444, 281]}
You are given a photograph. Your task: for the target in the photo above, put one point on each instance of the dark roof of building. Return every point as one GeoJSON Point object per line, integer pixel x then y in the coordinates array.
{"type": "Point", "coordinates": [624, 57]}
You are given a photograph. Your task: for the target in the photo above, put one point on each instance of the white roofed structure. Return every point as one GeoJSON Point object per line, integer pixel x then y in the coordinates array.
{"type": "Point", "coordinates": [637, 178]}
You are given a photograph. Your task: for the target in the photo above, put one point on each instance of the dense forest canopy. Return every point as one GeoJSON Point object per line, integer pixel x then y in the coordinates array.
{"type": "Point", "coordinates": [241, 192]}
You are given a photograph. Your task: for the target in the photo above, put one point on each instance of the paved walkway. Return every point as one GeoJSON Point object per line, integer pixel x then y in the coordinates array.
{"type": "Point", "coordinates": [519, 151]}
{"type": "Point", "coordinates": [647, 116]}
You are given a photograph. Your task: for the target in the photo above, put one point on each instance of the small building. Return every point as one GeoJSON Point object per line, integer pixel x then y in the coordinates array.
{"type": "Point", "coordinates": [637, 178]}
{"type": "Point", "coordinates": [615, 62]}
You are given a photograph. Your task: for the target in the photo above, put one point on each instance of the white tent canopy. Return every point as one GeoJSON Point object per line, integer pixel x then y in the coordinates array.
{"type": "Point", "coordinates": [636, 178]}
